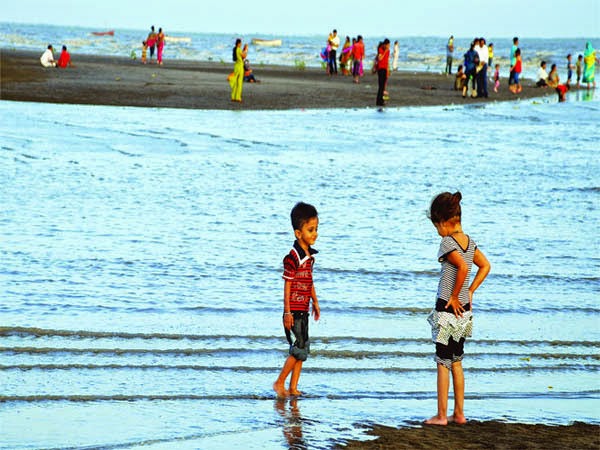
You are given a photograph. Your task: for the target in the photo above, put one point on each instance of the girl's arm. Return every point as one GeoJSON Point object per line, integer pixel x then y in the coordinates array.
{"type": "Point", "coordinates": [316, 311]}
{"type": "Point", "coordinates": [288, 318]}
{"type": "Point", "coordinates": [484, 266]}
{"type": "Point", "coordinates": [461, 275]}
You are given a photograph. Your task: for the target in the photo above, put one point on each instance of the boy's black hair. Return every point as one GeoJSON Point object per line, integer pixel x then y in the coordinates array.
{"type": "Point", "coordinates": [301, 213]}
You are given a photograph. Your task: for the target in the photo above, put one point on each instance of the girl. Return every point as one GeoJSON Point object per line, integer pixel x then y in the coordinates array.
{"type": "Point", "coordinates": [451, 320]}
{"type": "Point", "coordinates": [497, 78]}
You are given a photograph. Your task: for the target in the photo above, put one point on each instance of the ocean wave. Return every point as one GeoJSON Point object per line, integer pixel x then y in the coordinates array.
{"type": "Point", "coordinates": [358, 354]}
{"type": "Point", "coordinates": [91, 334]}
{"type": "Point", "coordinates": [419, 395]}
{"type": "Point", "coordinates": [528, 368]}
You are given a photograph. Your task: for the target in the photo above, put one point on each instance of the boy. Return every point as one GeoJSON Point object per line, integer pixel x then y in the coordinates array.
{"type": "Point", "coordinates": [298, 290]}
{"type": "Point", "coordinates": [569, 68]}
{"type": "Point", "coordinates": [578, 68]}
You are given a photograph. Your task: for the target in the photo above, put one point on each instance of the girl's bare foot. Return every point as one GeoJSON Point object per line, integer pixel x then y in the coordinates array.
{"type": "Point", "coordinates": [295, 392]}
{"type": "Point", "coordinates": [460, 420]}
{"type": "Point", "coordinates": [437, 420]}
{"type": "Point", "coordinates": [280, 390]}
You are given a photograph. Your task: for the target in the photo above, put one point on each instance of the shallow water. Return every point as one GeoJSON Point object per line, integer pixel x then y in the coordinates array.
{"type": "Point", "coordinates": [142, 257]}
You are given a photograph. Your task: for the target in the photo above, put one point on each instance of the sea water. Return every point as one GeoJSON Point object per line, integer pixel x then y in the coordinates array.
{"type": "Point", "coordinates": [416, 53]}
{"type": "Point", "coordinates": [142, 259]}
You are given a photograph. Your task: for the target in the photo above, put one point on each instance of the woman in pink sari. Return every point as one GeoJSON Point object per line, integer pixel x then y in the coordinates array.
{"type": "Point", "coordinates": [160, 44]}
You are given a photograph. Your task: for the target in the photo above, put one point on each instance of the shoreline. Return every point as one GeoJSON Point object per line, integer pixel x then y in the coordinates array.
{"type": "Point", "coordinates": [121, 81]}
{"type": "Point", "coordinates": [477, 435]}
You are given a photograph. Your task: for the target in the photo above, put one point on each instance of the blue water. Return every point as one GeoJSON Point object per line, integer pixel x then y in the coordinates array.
{"type": "Point", "coordinates": [141, 269]}
{"type": "Point", "coordinates": [416, 53]}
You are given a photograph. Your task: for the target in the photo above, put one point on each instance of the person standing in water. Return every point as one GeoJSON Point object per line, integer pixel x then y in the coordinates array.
{"type": "Point", "coordinates": [298, 291]}
{"type": "Point", "coordinates": [452, 319]}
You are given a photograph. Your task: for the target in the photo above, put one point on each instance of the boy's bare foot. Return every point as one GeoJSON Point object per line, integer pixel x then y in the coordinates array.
{"type": "Point", "coordinates": [460, 420]}
{"type": "Point", "coordinates": [437, 420]}
{"type": "Point", "coordinates": [280, 390]}
{"type": "Point", "coordinates": [295, 392]}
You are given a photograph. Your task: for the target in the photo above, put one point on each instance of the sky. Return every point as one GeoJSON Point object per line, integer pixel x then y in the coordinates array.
{"type": "Point", "coordinates": [461, 18]}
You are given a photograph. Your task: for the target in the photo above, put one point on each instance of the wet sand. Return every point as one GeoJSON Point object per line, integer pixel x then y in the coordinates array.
{"type": "Point", "coordinates": [483, 435]}
{"type": "Point", "coordinates": [105, 80]}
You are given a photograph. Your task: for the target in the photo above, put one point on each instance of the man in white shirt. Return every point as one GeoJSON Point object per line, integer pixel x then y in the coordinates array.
{"type": "Point", "coordinates": [47, 58]}
{"type": "Point", "coordinates": [334, 43]}
{"type": "Point", "coordinates": [542, 75]}
{"type": "Point", "coordinates": [484, 58]}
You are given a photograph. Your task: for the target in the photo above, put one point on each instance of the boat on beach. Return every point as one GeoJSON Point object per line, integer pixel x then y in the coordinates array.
{"type": "Point", "coordinates": [104, 33]}
{"type": "Point", "coordinates": [267, 42]}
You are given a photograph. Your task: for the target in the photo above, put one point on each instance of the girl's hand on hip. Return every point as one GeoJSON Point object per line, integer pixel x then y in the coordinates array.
{"type": "Point", "coordinates": [455, 306]}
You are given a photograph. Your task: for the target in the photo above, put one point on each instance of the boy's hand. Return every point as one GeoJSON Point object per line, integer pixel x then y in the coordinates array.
{"type": "Point", "coordinates": [455, 305]}
{"type": "Point", "coordinates": [316, 311]}
{"type": "Point", "coordinates": [288, 321]}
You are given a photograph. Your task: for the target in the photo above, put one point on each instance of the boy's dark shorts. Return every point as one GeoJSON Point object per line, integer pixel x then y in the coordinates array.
{"type": "Point", "coordinates": [297, 336]}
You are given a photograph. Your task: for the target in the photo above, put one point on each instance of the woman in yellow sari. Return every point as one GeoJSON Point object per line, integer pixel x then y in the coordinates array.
{"type": "Point", "coordinates": [237, 80]}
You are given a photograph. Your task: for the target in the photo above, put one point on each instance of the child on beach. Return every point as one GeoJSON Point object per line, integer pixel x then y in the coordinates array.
{"type": "Point", "coordinates": [452, 319]}
{"type": "Point", "coordinates": [144, 51]}
{"type": "Point", "coordinates": [515, 70]}
{"type": "Point", "coordinates": [569, 68]}
{"type": "Point", "coordinates": [460, 80]}
{"type": "Point", "coordinates": [298, 291]}
{"type": "Point", "coordinates": [579, 68]}
{"type": "Point", "coordinates": [562, 90]}
{"type": "Point", "coordinates": [497, 78]}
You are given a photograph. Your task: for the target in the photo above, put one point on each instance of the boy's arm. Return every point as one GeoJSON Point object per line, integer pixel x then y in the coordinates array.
{"type": "Point", "coordinates": [316, 310]}
{"type": "Point", "coordinates": [484, 266]}
{"type": "Point", "coordinates": [461, 275]}
{"type": "Point", "coordinates": [288, 318]}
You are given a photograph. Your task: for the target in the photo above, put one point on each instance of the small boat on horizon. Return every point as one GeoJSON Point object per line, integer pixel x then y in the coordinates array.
{"type": "Point", "coordinates": [104, 33]}
{"type": "Point", "coordinates": [267, 42]}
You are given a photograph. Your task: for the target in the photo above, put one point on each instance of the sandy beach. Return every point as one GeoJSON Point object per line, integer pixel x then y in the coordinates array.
{"type": "Point", "coordinates": [121, 81]}
{"type": "Point", "coordinates": [480, 435]}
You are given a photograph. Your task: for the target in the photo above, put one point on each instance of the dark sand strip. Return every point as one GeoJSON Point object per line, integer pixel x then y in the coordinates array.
{"type": "Point", "coordinates": [483, 435]}
{"type": "Point", "coordinates": [105, 80]}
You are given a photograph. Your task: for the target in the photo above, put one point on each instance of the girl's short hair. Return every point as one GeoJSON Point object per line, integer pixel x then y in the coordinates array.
{"type": "Point", "coordinates": [444, 207]}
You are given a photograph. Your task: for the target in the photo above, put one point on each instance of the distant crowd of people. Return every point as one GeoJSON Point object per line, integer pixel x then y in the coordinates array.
{"type": "Point", "coordinates": [478, 58]}
{"type": "Point", "coordinates": [471, 77]}
{"type": "Point", "coordinates": [352, 57]}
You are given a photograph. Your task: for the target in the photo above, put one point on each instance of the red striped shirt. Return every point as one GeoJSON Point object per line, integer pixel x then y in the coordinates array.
{"type": "Point", "coordinates": [297, 268]}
